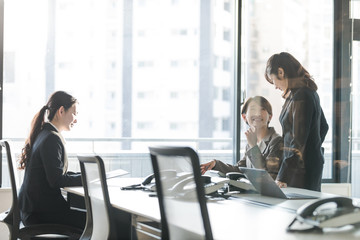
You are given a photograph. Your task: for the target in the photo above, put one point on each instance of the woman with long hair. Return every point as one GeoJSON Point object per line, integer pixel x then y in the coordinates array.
{"type": "Point", "coordinates": [45, 162]}
{"type": "Point", "coordinates": [303, 123]}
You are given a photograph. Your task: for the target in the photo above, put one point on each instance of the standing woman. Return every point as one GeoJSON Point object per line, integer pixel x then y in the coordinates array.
{"type": "Point", "coordinates": [303, 123]}
{"type": "Point", "coordinates": [45, 162]}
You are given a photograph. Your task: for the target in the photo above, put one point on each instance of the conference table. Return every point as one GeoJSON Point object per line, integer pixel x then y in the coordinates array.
{"type": "Point", "coordinates": [241, 216]}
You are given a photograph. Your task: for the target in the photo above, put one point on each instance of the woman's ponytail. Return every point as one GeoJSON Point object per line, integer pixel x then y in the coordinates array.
{"type": "Point", "coordinates": [36, 126]}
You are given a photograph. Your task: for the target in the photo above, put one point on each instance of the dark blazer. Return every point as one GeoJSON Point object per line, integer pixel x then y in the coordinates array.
{"type": "Point", "coordinates": [44, 175]}
{"type": "Point", "coordinates": [304, 130]}
{"type": "Point", "coordinates": [266, 155]}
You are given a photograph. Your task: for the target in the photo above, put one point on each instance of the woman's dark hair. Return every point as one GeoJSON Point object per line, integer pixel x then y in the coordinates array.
{"type": "Point", "coordinates": [261, 101]}
{"type": "Point", "coordinates": [296, 74]}
{"type": "Point", "coordinates": [56, 100]}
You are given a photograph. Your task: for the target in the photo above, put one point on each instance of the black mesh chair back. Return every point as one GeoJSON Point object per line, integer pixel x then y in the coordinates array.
{"type": "Point", "coordinates": [99, 220]}
{"type": "Point", "coordinates": [181, 193]}
{"type": "Point", "coordinates": [12, 217]}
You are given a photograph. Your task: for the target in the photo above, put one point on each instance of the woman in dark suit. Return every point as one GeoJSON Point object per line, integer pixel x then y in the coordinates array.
{"type": "Point", "coordinates": [303, 123]}
{"type": "Point", "coordinates": [45, 162]}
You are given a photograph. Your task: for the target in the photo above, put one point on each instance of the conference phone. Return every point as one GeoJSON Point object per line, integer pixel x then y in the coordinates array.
{"type": "Point", "coordinates": [176, 183]}
{"type": "Point", "coordinates": [239, 182]}
{"type": "Point", "coordinates": [187, 185]}
{"type": "Point", "coordinates": [149, 181]}
{"type": "Point", "coordinates": [330, 212]}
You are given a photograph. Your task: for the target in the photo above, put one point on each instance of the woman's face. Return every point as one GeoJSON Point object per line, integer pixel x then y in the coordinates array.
{"type": "Point", "coordinates": [279, 81]}
{"type": "Point", "coordinates": [69, 118]}
{"type": "Point", "coordinates": [256, 116]}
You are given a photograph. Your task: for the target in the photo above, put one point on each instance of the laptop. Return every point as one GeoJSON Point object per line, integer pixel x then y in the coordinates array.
{"type": "Point", "coordinates": [265, 185]}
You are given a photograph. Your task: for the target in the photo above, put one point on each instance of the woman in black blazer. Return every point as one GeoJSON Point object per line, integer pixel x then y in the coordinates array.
{"type": "Point", "coordinates": [45, 162]}
{"type": "Point", "coordinates": [303, 123]}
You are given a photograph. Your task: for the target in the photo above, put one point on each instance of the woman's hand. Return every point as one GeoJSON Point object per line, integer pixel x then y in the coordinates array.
{"type": "Point", "coordinates": [207, 166]}
{"type": "Point", "coordinates": [251, 137]}
{"type": "Point", "coordinates": [281, 184]}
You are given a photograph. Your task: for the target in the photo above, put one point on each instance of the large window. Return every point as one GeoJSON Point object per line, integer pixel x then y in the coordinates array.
{"type": "Point", "coordinates": [355, 178]}
{"type": "Point", "coordinates": [167, 72]}
{"type": "Point", "coordinates": [352, 171]}
{"type": "Point", "coordinates": [145, 72]}
{"type": "Point", "coordinates": [305, 30]}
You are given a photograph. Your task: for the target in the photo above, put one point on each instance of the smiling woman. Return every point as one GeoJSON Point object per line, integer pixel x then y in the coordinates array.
{"type": "Point", "coordinates": [264, 145]}
{"type": "Point", "coordinates": [66, 119]}
{"type": "Point", "coordinates": [257, 113]}
{"type": "Point", "coordinates": [45, 162]}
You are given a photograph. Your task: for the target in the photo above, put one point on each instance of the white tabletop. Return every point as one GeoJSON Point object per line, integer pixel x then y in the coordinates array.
{"type": "Point", "coordinates": [244, 216]}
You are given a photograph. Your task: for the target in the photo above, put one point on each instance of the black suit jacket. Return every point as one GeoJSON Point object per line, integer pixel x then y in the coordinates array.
{"type": "Point", "coordinates": [40, 191]}
{"type": "Point", "coordinates": [304, 130]}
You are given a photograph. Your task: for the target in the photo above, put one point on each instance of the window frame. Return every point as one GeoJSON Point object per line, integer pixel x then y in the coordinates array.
{"type": "Point", "coordinates": [341, 91]}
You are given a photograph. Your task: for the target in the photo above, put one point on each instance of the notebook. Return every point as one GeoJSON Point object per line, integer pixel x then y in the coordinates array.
{"type": "Point", "coordinates": [265, 185]}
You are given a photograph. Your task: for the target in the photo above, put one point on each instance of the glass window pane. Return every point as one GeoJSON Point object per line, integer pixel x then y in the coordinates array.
{"type": "Point", "coordinates": [355, 9]}
{"type": "Point", "coordinates": [302, 28]}
{"type": "Point", "coordinates": [355, 178]}
{"type": "Point", "coordinates": [143, 71]}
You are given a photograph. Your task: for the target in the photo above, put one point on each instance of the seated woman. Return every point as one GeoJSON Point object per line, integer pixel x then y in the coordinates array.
{"type": "Point", "coordinates": [45, 162]}
{"type": "Point", "coordinates": [264, 145]}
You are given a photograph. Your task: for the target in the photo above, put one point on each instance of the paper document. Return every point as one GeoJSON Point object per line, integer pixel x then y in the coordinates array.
{"type": "Point", "coordinates": [116, 173]}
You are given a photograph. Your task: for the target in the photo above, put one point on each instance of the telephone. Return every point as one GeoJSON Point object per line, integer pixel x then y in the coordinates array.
{"type": "Point", "coordinates": [149, 181]}
{"type": "Point", "coordinates": [239, 182]}
{"type": "Point", "coordinates": [171, 175]}
{"type": "Point", "coordinates": [212, 185]}
{"type": "Point", "coordinates": [329, 212]}
{"type": "Point", "coordinates": [187, 186]}
{"type": "Point", "coordinates": [178, 183]}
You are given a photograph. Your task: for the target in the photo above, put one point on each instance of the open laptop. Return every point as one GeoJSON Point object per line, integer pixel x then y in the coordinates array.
{"type": "Point", "coordinates": [265, 185]}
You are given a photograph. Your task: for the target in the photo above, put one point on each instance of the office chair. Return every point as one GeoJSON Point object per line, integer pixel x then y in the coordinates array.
{"type": "Point", "coordinates": [182, 203]}
{"type": "Point", "coordinates": [12, 217]}
{"type": "Point", "coordinates": [99, 220]}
